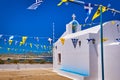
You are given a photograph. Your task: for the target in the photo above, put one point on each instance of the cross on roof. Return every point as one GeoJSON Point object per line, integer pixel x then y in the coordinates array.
{"type": "Point", "coordinates": [73, 16]}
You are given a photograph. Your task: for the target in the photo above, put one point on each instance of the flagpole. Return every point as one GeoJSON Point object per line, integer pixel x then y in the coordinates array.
{"type": "Point", "coordinates": [101, 37]}
{"type": "Point", "coordinates": [82, 2]}
{"type": "Point", "coordinates": [53, 32]}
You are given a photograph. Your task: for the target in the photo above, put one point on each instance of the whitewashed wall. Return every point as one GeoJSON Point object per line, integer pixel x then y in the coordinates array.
{"type": "Point", "coordinates": [87, 58]}
{"type": "Point", "coordinates": [111, 52]}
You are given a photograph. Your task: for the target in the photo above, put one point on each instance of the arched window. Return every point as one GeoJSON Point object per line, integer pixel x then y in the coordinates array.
{"type": "Point", "coordinates": [74, 26]}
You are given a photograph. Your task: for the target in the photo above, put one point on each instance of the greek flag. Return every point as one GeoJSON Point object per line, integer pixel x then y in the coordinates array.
{"type": "Point", "coordinates": [88, 7]}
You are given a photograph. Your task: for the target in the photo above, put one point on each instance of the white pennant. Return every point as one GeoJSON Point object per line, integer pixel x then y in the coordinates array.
{"type": "Point", "coordinates": [1, 35]}
{"type": "Point", "coordinates": [11, 37]}
{"type": "Point", "coordinates": [35, 5]}
{"type": "Point", "coordinates": [50, 40]}
{"type": "Point", "coordinates": [5, 41]}
{"type": "Point", "coordinates": [16, 42]}
{"type": "Point", "coordinates": [25, 44]}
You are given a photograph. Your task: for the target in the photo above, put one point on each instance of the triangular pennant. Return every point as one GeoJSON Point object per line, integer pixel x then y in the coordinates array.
{"type": "Point", "coordinates": [97, 14]}
{"type": "Point", "coordinates": [10, 42]}
{"type": "Point", "coordinates": [114, 12]}
{"type": "Point", "coordinates": [36, 45]}
{"type": "Point", "coordinates": [31, 45]}
{"type": "Point", "coordinates": [105, 39]}
{"type": "Point", "coordinates": [1, 35]}
{"type": "Point", "coordinates": [5, 40]}
{"type": "Point", "coordinates": [89, 40]}
{"type": "Point", "coordinates": [93, 40]}
{"type": "Point", "coordinates": [62, 40]}
{"type": "Point", "coordinates": [8, 49]}
{"type": "Point", "coordinates": [24, 38]}
{"type": "Point", "coordinates": [62, 1]}
{"type": "Point", "coordinates": [16, 42]}
{"type": "Point", "coordinates": [11, 37]}
{"type": "Point", "coordinates": [44, 47]}
{"type": "Point", "coordinates": [113, 22]}
{"type": "Point", "coordinates": [118, 39]}
{"type": "Point", "coordinates": [74, 41]}
{"type": "Point", "coordinates": [41, 46]}
{"type": "Point", "coordinates": [37, 38]}
{"type": "Point", "coordinates": [35, 5]}
{"type": "Point", "coordinates": [21, 43]}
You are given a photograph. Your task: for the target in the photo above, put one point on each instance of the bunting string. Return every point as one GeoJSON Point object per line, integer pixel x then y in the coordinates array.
{"type": "Point", "coordinates": [26, 44]}
{"type": "Point", "coordinates": [22, 42]}
{"type": "Point", "coordinates": [23, 50]}
{"type": "Point", "coordinates": [88, 24]}
{"type": "Point", "coordinates": [82, 2]}
{"type": "Point", "coordinates": [23, 39]}
{"type": "Point", "coordinates": [89, 7]}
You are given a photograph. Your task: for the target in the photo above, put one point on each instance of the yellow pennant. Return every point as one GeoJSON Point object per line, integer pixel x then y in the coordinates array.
{"type": "Point", "coordinates": [31, 45]}
{"type": "Point", "coordinates": [62, 1]}
{"type": "Point", "coordinates": [71, 0]}
{"type": "Point", "coordinates": [24, 38]}
{"type": "Point", "coordinates": [113, 22]}
{"type": "Point", "coordinates": [8, 49]}
{"type": "Point", "coordinates": [62, 40]}
{"type": "Point", "coordinates": [44, 47]}
{"type": "Point", "coordinates": [97, 14]}
{"type": "Point", "coordinates": [105, 39]}
{"type": "Point", "coordinates": [10, 42]}
{"type": "Point", "coordinates": [21, 43]}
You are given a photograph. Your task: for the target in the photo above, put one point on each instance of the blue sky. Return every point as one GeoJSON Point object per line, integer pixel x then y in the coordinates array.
{"type": "Point", "coordinates": [16, 19]}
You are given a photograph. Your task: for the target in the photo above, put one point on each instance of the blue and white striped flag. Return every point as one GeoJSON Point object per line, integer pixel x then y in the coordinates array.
{"type": "Point", "coordinates": [88, 7]}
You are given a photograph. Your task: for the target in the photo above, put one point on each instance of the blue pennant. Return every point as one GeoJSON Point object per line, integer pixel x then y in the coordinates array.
{"type": "Point", "coordinates": [74, 41]}
{"type": "Point", "coordinates": [93, 40]}
{"type": "Point", "coordinates": [89, 40]}
{"type": "Point", "coordinates": [118, 39]}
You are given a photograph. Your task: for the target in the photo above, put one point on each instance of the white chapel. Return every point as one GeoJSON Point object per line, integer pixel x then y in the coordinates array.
{"type": "Point", "coordinates": [77, 53]}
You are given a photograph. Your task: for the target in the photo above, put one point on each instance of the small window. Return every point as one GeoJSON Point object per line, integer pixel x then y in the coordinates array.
{"type": "Point", "coordinates": [59, 58]}
{"type": "Point", "coordinates": [74, 27]}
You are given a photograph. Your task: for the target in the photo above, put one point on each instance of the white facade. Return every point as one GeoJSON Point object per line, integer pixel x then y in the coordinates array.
{"type": "Point", "coordinates": [81, 61]}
